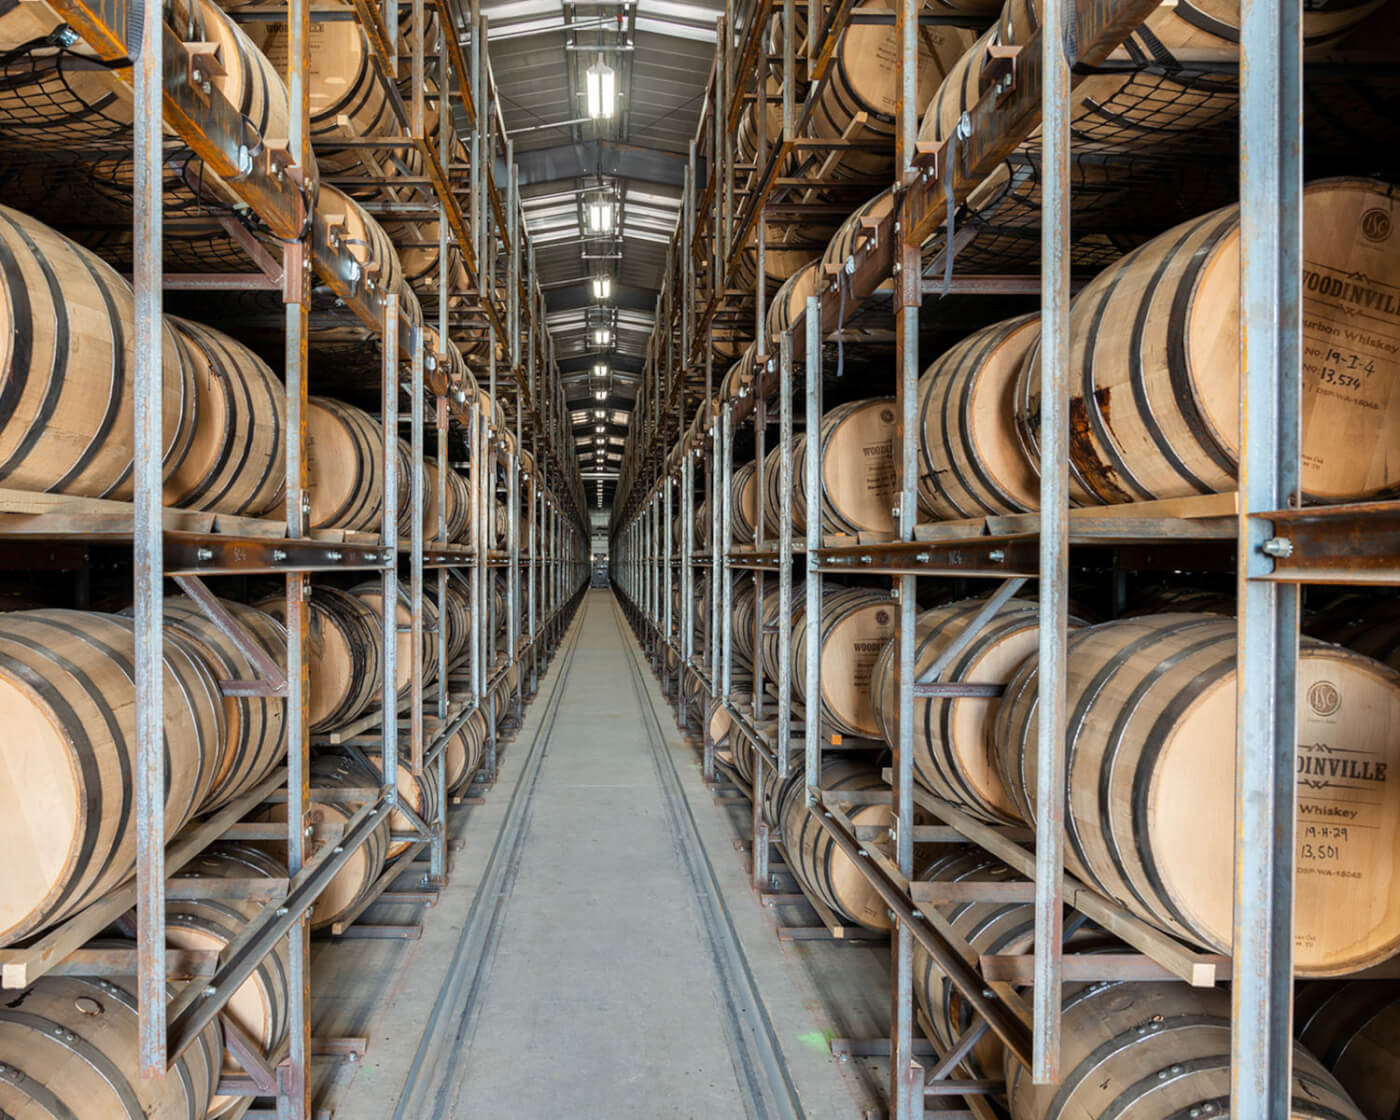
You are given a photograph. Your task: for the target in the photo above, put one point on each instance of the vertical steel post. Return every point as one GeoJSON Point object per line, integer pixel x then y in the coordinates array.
{"type": "Point", "coordinates": [813, 732]}
{"type": "Point", "coordinates": [785, 542]}
{"type": "Point", "coordinates": [724, 544]}
{"type": "Point", "coordinates": [389, 538]}
{"type": "Point", "coordinates": [148, 559]}
{"type": "Point", "coordinates": [415, 551]}
{"type": "Point", "coordinates": [1057, 39]}
{"type": "Point", "coordinates": [293, 1078]}
{"type": "Point", "coordinates": [1271, 239]}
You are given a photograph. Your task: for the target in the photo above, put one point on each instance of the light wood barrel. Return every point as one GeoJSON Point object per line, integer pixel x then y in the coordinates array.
{"type": "Point", "coordinates": [1156, 105]}
{"type": "Point", "coordinates": [1154, 362]}
{"type": "Point", "coordinates": [743, 623]}
{"type": "Point", "coordinates": [255, 731]}
{"type": "Point", "coordinates": [1149, 818]}
{"type": "Point", "coordinates": [351, 226]}
{"type": "Point", "coordinates": [464, 751]}
{"type": "Point", "coordinates": [990, 928]}
{"type": "Point", "coordinates": [864, 79]}
{"type": "Point", "coordinates": [786, 248]}
{"type": "Point", "coordinates": [856, 626]}
{"type": "Point", "coordinates": [372, 595]}
{"type": "Point", "coordinates": [812, 854]}
{"type": "Point", "coordinates": [743, 504]}
{"type": "Point", "coordinates": [972, 462]}
{"type": "Point", "coordinates": [1354, 1030]}
{"type": "Point", "coordinates": [454, 610]}
{"type": "Point", "coordinates": [417, 244]}
{"type": "Point", "coordinates": [419, 792]}
{"type": "Point", "coordinates": [345, 466]}
{"type": "Point", "coordinates": [259, 1006]}
{"type": "Point", "coordinates": [857, 472]}
{"type": "Point", "coordinates": [953, 736]}
{"type": "Point", "coordinates": [236, 459]}
{"type": "Point", "coordinates": [327, 820]}
{"type": "Point", "coordinates": [346, 99]}
{"type": "Point", "coordinates": [843, 243]}
{"type": "Point", "coordinates": [67, 824]}
{"type": "Point", "coordinates": [458, 508]}
{"type": "Point", "coordinates": [68, 368]}
{"type": "Point", "coordinates": [738, 382]}
{"type": "Point", "coordinates": [344, 652]}
{"type": "Point", "coordinates": [63, 101]}
{"type": "Point", "coordinates": [70, 1048]}
{"type": "Point", "coordinates": [1154, 1051]}
{"type": "Point", "coordinates": [791, 300]}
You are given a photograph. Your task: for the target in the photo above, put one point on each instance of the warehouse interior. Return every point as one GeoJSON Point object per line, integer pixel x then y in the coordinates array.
{"type": "Point", "coordinates": [700, 558]}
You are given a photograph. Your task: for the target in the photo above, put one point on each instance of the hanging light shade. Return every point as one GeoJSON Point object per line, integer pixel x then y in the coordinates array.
{"type": "Point", "coordinates": [602, 90]}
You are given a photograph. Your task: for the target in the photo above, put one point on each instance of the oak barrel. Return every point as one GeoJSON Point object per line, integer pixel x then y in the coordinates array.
{"type": "Point", "coordinates": [1154, 361]}
{"type": "Point", "coordinates": [372, 595]}
{"type": "Point", "coordinates": [255, 731]}
{"type": "Point", "coordinates": [464, 751]}
{"type": "Point", "coordinates": [1354, 1029]}
{"type": "Point", "coordinates": [1361, 621]}
{"type": "Point", "coordinates": [70, 1048]}
{"type": "Point", "coordinates": [454, 610]}
{"type": "Point", "coordinates": [344, 466]}
{"type": "Point", "coordinates": [236, 461]}
{"type": "Point", "coordinates": [953, 749]}
{"type": "Point", "coordinates": [858, 475]}
{"type": "Point", "coordinates": [1154, 1051]}
{"type": "Point", "coordinates": [856, 625]}
{"type": "Point", "coordinates": [67, 824]}
{"type": "Point", "coordinates": [327, 820]}
{"type": "Point", "coordinates": [864, 79]}
{"type": "Point", "coordinates": [791, 300]}
{"type": "Point", "coordinates": [344, 654]}
{"type": "Point", "coordinates": [743, 503]}
{"type": "Point", "coordinates": [258, 1006]}
{"type": "Point", "coordinates": [68, 368]}
{"type": "Point", "coordinates": [812, 855]}
{"type": "Point", "coordinates": [841, 248]}
{"type": "Point", "coordinates": [345, 223]}
{"type": "Point", "coordinates": [972, 462]}
{"type": "Point", "coordinates": [419, 792]}
{"type": "Point", "coordinates": [1151, 775]}
{"type": "Point", "coordinates": [990, 928]}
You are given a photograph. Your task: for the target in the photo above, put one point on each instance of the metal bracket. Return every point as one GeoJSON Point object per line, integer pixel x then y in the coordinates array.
{"type": "Point", "coordinates": [272, 678]}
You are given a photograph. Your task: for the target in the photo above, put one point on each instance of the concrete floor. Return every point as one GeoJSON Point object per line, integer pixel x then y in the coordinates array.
{"type": "Point", "coordinates": [598, 951]}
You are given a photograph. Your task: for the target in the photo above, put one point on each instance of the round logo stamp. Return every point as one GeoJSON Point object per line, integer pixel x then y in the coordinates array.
{"type": "Point", "coordinates": [1376, 224]}
{"type": "Point", "coordinates": [1324, 698]}
{"type": "Point", "coordinates": [882, 618]}
{"type": "Point", "coordinates": [886, 416]}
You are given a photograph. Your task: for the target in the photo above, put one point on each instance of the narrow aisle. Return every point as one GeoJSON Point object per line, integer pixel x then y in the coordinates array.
{"type": "Point", "coordinates": [601, 998]}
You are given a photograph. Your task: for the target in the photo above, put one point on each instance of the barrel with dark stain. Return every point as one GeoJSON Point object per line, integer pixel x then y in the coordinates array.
{"type": "Point", "coordinates": [1354, 1029]}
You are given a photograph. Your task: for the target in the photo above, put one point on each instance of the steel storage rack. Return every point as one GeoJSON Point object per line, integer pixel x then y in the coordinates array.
{"type": "Point", "coordinates": [542, 551]}
{"type": "Point", "coordinates": [683, 450]}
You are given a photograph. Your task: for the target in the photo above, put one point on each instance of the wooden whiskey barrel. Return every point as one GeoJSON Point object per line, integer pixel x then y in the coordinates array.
{"type": "Point", "coordinates": [464, 751]}
{"type": "Point", "coordinates": [972, 462]}
{"type": "Point", "coordinates": [1149, 818]}
{"type": "Point", "coordinates": [953, 736]}
{"type": "Point", "coordinates": [344, 653]}
{"type": "Point", "coordinates": [791, 300]}
{"type": "Point", "coordinates": [786, 248]}
{"type": "Point", "coordinates": [738, 382]}
{"type": "Point", "coordinates": [812, 855]}
{"type": "Point", "coordinates": [68, 367]}
{"type": "Point", "coordinates": [417, 245]}
{"type": "Point", "coordinates": [454, 610]}
{"type": "Point", "coordinates": [327, 820]}
{"type": "Point", "coordinates": [347, 100]}
{"type": "Point", "coordinates": [344, 465]}
{"type": "Point", "coordinates": [742, 621]}
{"type": "Point", "coordinates": [1353, 1028]}
{"type": "Point", "coordinates": [458, 507]}
{"type": "Point", "coordinates": [346, 223]}
{"type": "Point", "coordinates": [372, 595]}
{"type": "Point", "coordinates": [62, 100]}
{"type": "Point", "coordinates": [857, 471]}
{"type": "Point", "coordinates": [67, 694]}
{"type": "Point", "coordinates": [70, 1048]}
{"type": "Point", "coordinates": [856, 626]}
{"type": "Point", "coordinates": [419, 792]}
{"type": "Point", "coordinates": [864, 79]}
{"type": "Point", "coordinates": [743, 503]}
{"type": "Point", "coordinates": [259, 1006]}
{"type": "Point", "coordinates": [990, 928]}
{"type": "Point", "coordinates": [843, 243]}
{"type": "Point", "coordinates": [1154, 409]}
{"type": "Point", "coordinates": [255, 732]}
{"type": "Point", "coordinates": [1152, 1051]}
{"type": "Point", "coordinates": [236, 461]}
{"type": "Point", "coordinates": [1150, 98]}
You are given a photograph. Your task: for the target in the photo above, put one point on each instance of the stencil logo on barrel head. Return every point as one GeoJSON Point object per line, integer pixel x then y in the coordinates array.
{"type": "Point", "coordinates": [886, 416]}
{"type": "Point", "coordinates": [1324, 699]}
{"type": "Point", "coordinates": [882, 618]}
{"type": "Point", "coordinates": [1376, 224]}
